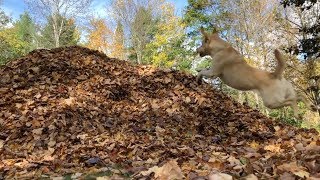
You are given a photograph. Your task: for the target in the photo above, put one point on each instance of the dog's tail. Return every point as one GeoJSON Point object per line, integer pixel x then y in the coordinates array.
{"type": "Point", "coordinates": [281, 64]}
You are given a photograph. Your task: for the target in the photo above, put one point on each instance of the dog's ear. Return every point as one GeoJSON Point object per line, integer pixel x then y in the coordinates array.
{"type": "Point", "coordinates": [204, 33]}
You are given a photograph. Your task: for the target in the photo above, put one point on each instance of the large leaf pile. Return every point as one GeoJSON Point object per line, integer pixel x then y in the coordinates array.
{"type": "Point", "coordinates": [72, 109]}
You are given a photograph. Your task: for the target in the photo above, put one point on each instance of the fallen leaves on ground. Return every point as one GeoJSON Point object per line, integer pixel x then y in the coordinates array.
{"type": "Point", "coordinates": [170, 170]}
{"type": "Point", "coordinates": [74, 111]}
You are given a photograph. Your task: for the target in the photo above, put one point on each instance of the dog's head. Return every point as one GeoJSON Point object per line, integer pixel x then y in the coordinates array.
{"type": "Point", "coordinates": [207, 42]}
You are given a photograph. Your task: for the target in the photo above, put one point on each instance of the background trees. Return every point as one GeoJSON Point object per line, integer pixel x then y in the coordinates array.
{"type": "Point", "coordinates": [137, 18]}
{"type": "Point", "coordinates": [5, 53]}
{"type": "Point", "coordinates": [99, 35]}
{"type": "Point", "coordinates": [305, 15]}
{"type": "Point", "coordinates": [118, 50]}
{"type": "Point", "coordinates": [59, 14]}
{"type": "Point", "coordinates": [18, 38]}
{"type": "Point", "coordinates": [165, 48]}
{"type": "Point", "coordinates": [26, 32]}
{"type": "Point", "coordinates": [68, 34]}
{"type": "Point", "coordinates": [152, 33]}
{"type": "Point", "coordinates": [4, 19]}
{"type": "Point", "coordinates": [301, 25]}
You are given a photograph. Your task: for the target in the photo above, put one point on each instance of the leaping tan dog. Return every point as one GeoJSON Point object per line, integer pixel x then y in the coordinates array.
{"type": "Point", "coordinates": [230, 66]}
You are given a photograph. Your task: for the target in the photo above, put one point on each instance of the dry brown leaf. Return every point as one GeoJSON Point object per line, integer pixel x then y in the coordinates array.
{"type": "Point", "coordinates": [1, 143]}
{"type": "Point", "coordinates": [18, 105]}
{"type": "Point", "coordinates": [219, 176]}
{"type": "Point", "coordinates": [52, 143]}
{"type": "Point", "coordinates": [170, 170]}
{"type": "Point", "coordinates": [290, 167]}
{"type": "Point", "coordinates": [313, 147]}
{"type": "Point", "coordinates": [82, 77]}
{"type": "Point", "coordinates": [275, 148]}
{"type": "Point", "coordinates": [287, 176]}
{"type": "Point", "coordinates": [299, 147]}
{"type": "Point", "coordinates": [155, 105]}
{"type": "Point", "coordinates": [302, 174]}
{"type": "Point", "coordinates": [277, 128]}
{"type": "Point", "coordinates": [37, 131]}
{"type": "Point", "coordinates": [254, 145]}
{"type": "Point", "coordinates": [48, 158]}
{"type": "Point", "coordinates": [188, 100]}
{"type": "Point", "coordinates": [35, 69]}
{"type": "Point", "coordinates": [69, 101]}
{"type": "Point", "coordinates": [38, 96]}
{"type": "Point", "coordinates": [251, 177]}
{"type": "Point", "coordinates": [234, 161]}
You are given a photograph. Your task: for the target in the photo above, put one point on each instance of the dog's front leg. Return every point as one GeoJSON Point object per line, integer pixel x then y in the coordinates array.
{"type": "Point", "coordinates": [207, 73]}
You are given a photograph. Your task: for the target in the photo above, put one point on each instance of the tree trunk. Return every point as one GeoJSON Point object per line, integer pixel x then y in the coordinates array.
{"type": "Point", "coordinates": [57, 39]}
{"type": "Point", "coordinates": [139, 56]}
{"type": "Point", "coordinates": [139, 52]}
{"type": "Point", "coordinates": [55, 30]}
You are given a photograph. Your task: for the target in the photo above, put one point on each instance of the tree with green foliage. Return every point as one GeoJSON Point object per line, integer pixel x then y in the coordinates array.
{"type": "Point", "coordinates": [99, 36]}
{"type": "Point", "coordinates": [138, 18]}
{"type": "Point", "coordinates": [19, 39]}
{"type": "Point", "coordinates": [302, 22]}
{"type": "Point", "coordinates": [166, 46]}
{"type": "Point", "coordinates": [204, 13]}
{"type": "Point", "coordinates": [53, 10]}
{"type": "Point", "coordinates": [68, 35]}
{"type": "Point", "coordinates": [140, 32]}
{"type": "Point", "coordinates": [26, 32]}
{"type": "Point", "coordinates": [4, 19]}
{"type": "Point", "coordinates": [309, 29]}
{"type": "Point", "coordinates": [118, 47]}
{"type": "Point", "coordinates": [5, 46]}
{"type": "Point", "coordinates": [10, 45]}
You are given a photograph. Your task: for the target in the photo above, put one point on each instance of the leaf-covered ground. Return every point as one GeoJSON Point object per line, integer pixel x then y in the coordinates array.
{"type": "Point", "coordinates": [75, 111]}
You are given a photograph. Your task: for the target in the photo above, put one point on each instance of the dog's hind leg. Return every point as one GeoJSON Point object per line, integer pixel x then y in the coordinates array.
{"type": "Point", "coordinates": [289, 102]}
{"type": "Point", "coordinates": [294, 105]}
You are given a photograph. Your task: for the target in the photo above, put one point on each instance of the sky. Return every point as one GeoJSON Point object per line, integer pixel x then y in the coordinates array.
{"type": "Point", "coordinates": [14, 8]}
